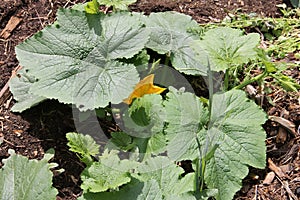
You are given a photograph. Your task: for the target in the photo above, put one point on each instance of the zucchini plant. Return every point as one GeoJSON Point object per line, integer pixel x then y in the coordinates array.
{"type": "Point", "coordinates": [92, 60]}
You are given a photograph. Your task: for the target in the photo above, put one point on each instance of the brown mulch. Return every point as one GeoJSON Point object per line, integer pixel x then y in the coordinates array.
{"type": "Point", "coordinates": [44, 126]}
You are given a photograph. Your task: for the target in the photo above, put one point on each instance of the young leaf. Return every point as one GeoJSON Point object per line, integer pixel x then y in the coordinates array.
{"type": "Point", "coordinates": [99, 178]}
{"type": "Point", "coordinates": [20, 86]}
{"type": "Point", "coordinates": [74, 59]}
{"type": "Point", "coordinates": [169, 35]}
{"type": "Point", "coordinates": [145, 86]}
{"type": "Point", "coordinates": [226, 47]}
{"type": "Point", "coordinates": [117, 4]}
{"type": "Point", "coordinates": [25, 179]}
{"type": "Point", "coordinates": [92, 7]}
{"type": "Point", "coordinates": [85, 145]}
{"type": "Point", "coordinates": [109, 173]}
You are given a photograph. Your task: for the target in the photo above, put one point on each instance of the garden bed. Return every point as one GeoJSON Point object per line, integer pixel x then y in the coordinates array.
{"type": "Point", "coordinates": [34, 131]}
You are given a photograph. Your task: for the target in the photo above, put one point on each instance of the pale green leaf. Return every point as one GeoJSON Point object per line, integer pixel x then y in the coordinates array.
{"type": "Point", "coordinates": [236, 126]}
{"type": "Point", "coordinates": [226, 47]}
{"type": "Point", "coordinates": [85, 145]}
{"type": "Point", "coordinates": [25, 179]}
{"type": "Point", "coordinates": [20, 86]}
{"type": "Point", "coordinates": [99, 178]}
{"type": "Point", "coordinates": [170, 35]}
{"type": "Point", "coordinates": [74, 59]}
{"type": "Point", "coordinates": [234, 133]}
{"type": "Point", "coordinates": [109, 173]}
{"type": "Point", "coordinates": [151, 191]}
{"type": "Point", "coordinates": [167, 174]}
{"type": "Point", "coordinates": [186, 116]}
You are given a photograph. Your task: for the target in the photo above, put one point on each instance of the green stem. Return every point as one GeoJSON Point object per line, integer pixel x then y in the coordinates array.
{"type": "Point", "coordinates": [247, 82]}
{"type": "Point", "coordinates": [168, 55]}
{"type": "Point", "coordinates": [199, 175]}
{"type": "Point", "coordinates": [210, 90]}
{"type": "Point", "coordinates": [203, 165]}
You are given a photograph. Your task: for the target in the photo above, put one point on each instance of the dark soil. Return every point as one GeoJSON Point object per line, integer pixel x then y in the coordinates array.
{"type": "Point", "coordinates": [44, 126]}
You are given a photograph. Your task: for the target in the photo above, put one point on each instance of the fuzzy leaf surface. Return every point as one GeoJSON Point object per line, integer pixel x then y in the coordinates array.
{"type": "Point", "coordinates": [109, 173]}
{"type": "Point", "coordinates": [234, 126]}
{"type": "Point", "coordinates": [20, 87]}
{"type": "Point", "coordinates": [25, 179]}
{"type": "Point", "coordinates": [169, 35]}
{"type": "Point", "coordinates": [74, 59]}
{"type": "Point", "coordinates": [82, 144]}
{"type": "Point", "coordinates": [167, 174]}
{"type": "Point", "coordinates": [185, 115]}
{"type": "Point", "coordinates": [226, 47]}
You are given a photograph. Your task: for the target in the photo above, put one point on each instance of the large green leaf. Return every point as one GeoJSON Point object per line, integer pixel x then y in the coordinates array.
{"type": "Point", "coordinates": [170, 35]}
{"type": "Point", "coordinates": [25, 179]}
{"type": "Point", "coordinates": [74, 59]}
{"type": "Point", "coordinates": [186, 115]}
{"type": "Point", "coordinates": [226, 47]}
{"type": "Point", "coordinates": [234, 126]}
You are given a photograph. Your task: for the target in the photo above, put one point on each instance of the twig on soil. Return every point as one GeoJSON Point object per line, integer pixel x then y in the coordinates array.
{"type": "Point", "coordinates": [10, 26]}
{"type": "Point", "coordinates": [17, 146]}
{"type": "Point", "coordinates": [290, 126]}
{"type": "Point", "coordinates": [2, 126]}
{"type": "Point", "coordinates": [51, 10]}
{"type": "Point", "coordinates": [290, 154]}
{"type": "Point", "coordinates": [280, 176]}
{"type": "Point", "coordinates": [42, 25]}
{"type": "Point", "coordinates": [285, 185]}
{"type": "Point", "coordinates": [8, 102]}
{"type": "Point", "coordinates": [256, 193]}
{"type": "Point", "coordinates": [276, 169]}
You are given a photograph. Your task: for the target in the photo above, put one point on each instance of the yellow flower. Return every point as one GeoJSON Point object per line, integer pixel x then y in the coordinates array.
{"type": "Point", "coordinates": [145, 86]}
